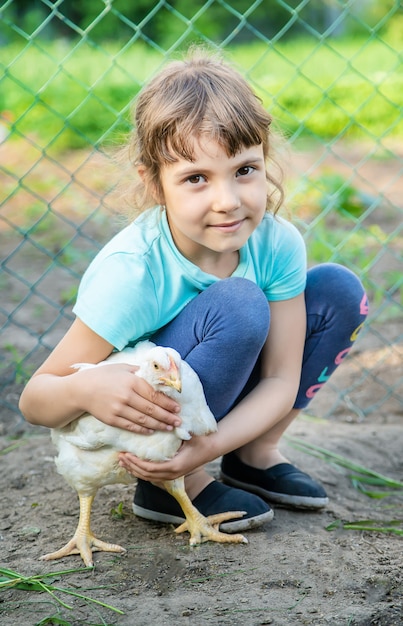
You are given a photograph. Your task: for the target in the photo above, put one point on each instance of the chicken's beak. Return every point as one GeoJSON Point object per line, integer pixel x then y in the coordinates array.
{"type": "Point", "coordinates": [173, 379]}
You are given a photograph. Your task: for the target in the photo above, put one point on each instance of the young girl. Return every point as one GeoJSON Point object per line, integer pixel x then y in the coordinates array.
{"type": "Point", "coordinates": [210, 270]}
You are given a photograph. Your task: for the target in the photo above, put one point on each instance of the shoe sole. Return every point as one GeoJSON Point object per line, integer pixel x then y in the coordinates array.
{"type": "Point", "coordinates": [229, 527]}
{"type": "Point", "coordinates": [296, 502]}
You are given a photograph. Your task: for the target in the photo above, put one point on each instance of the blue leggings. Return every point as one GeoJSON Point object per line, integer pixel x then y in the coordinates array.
{"type": "Point", "coordinates": [222, 331]}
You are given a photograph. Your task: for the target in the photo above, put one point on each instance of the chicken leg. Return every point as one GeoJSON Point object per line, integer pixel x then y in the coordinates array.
{"type": "Point", "coordinates": [83, 541]}
{"type": "Point", "coordinates": [201, 528]}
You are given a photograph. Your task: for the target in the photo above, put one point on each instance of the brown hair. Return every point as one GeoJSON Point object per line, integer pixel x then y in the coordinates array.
{"type": "Point", "coordinates": [199, 95]}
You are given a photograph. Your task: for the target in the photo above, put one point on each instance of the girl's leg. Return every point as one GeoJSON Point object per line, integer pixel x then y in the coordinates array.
{"type": "Point", "coordinates": [337, 307]}
{"type": "Point", "coordinates": [220, 334]}
{"type": "Point", "coordinates": [336, 310]}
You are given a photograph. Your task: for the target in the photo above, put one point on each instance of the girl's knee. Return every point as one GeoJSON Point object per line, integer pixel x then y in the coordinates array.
{"type": "Point", "coordinates": [243, 306]}
{"type": "Point", "coordinates": [338, 286]}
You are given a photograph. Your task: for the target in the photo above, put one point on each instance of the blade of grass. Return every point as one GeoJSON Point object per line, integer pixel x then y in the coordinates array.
{"type": "Point", "coordinates": [332, 457]}
{"type": "Point", "coordinates": [368, 480]}
{"type": "Point", "coordinates": [11, 579]}
{"type": "Point", "coordinates": [358, 483]}
{"type": "Point", "coordinates": [53, 620]}
{"type": "Point", "coordinates": [378, 526]}
{"type": "Point", "coordinates": [48, 589]}
{"type": "Point", "coordinates": [15, 580]}
{"type": "Point", "coordinates": [13, 446]}
{"type": "Point", "coordinates": [88, 599]}
{"type": "Point", "coordinates": [362, 476]}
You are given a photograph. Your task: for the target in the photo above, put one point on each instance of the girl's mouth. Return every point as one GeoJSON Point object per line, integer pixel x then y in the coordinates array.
{"type": "Point", "coordinates": [228, 227]}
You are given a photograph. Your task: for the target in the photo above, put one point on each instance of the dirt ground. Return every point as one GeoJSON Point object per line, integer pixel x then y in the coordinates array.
{"type": "Point", "coordinates": [292, 572]}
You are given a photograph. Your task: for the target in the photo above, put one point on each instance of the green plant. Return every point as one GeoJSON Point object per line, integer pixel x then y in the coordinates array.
{"type": "Point", "coordinates": [68, 296]}
{"type": "Point", "coordinates": [336, 192]}
{"type": "Point", "coordinates": [13, 446]}
{"type": "Point", "coordinates": [118, 512]}
{"type": "Point", "coordinates": [361, 477]}
{"type": "Point", "coordinates": [10, 579]}
{"type": "Point", "coordinates": [391, 527]}
{"type": "Point", "coordinates": [22, 371]}
{"type": "Point", "coordinates": [69, 96]}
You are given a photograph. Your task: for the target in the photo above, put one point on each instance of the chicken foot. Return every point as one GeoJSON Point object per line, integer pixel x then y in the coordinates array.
{"type": "Point", "coordinates": [201, 528]}
{"type": "Point", "coordinates": [83, 541]}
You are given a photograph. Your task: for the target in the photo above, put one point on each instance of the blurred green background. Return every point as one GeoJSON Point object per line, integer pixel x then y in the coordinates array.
{"type": "Point", "coordinates": [330, 72]}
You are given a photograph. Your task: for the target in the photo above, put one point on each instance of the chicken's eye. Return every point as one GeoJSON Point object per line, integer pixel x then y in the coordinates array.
{"type": "Point", "coordinates": [156, 366]}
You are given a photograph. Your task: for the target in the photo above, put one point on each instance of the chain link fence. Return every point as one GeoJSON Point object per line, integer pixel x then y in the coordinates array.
{"type": "Point", "coordinates": [330, 73]}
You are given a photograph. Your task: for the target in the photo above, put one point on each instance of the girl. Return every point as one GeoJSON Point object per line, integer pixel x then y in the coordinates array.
{"type": "Point", "coordinates": [209, 269]}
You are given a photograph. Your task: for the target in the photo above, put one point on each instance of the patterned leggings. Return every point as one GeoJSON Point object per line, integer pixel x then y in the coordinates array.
{"type": "Point", "coordinates": [222, 331]}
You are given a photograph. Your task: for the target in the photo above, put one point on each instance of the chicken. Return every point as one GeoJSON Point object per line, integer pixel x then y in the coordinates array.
{"type": "Point", "coordinates": [88, 450]}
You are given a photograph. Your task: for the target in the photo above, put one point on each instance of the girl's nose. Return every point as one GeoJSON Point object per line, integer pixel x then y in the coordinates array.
{"type": "Point", "coordinates": [225, 198]}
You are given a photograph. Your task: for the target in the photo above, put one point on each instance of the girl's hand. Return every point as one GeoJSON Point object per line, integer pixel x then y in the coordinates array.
{"type": "Point", "coordinates": [112, 393]}
{"type": "Point", "coordinates": [192, 454]}
{"type": "Point", "coordinates": [120, 398]}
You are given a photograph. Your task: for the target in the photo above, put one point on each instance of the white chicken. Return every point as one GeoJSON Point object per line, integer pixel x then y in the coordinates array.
{"type": "Point", "coordinates": [88, 450]}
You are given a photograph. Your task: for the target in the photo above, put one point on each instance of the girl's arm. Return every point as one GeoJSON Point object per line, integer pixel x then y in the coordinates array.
{"type": "Point", "coordinates": [57, 394]}
{"type": "Point", "coordinates": [270, 401]}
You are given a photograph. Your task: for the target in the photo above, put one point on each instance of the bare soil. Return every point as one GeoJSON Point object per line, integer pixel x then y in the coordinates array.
{"type": "Point", "coordinates": [292, 572]}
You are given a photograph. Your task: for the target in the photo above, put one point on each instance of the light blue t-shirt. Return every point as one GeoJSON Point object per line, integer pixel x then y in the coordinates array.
{"type": "Point", "coordinates": [140, 281]}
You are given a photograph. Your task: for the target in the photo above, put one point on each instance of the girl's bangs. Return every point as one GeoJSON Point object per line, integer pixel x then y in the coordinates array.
{"type": "Point", "coordinates": [231, 133]}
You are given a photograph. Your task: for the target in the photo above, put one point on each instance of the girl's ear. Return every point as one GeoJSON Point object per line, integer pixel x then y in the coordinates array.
{"type": "Point", "coordinates": [151, 186]}
{"type": "Point", "coordinates": [141, 171]}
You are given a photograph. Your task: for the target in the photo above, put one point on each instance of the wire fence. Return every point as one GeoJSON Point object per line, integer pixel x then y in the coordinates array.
{"type": "Point", "coordinates": [330, 73]}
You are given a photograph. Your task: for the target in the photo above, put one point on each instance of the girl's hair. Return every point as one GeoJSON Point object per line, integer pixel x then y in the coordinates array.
{"type": "Point", "coordinates": [199, 95]}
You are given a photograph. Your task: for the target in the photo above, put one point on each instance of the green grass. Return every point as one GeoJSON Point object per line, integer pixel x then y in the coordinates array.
{"type": "Point", "coordinates": [358, 247]}
{"type": "Point", "coordinates": [360, 475]}
{"type": "Point", "coordinates": [336, 230]}
{"type": "Point", "coordinates": [73, 94]}
{"type": "Point", "coordinates": [328, 87]}
{"type": "Point", "coordinates": [13, 446]}
{"type": "Point", "coordinates": [10, 579]}
{"type": "Point", "coordinates": [368, 482]}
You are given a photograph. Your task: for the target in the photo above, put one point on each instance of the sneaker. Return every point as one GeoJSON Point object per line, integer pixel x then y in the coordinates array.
{"type": "Point", "coordinates": [153, 503]}
{"type": "Point", "coordinates": [283, 483]}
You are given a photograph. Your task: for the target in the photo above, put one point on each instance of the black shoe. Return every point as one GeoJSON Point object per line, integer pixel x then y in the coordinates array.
{"type": "Point", "coordinates": [283, 483]}
{"type": "Point", "coordinates": [158, 505]}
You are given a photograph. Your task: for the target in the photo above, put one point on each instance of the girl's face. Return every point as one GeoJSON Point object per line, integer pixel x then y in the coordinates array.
{"type": "Point", "coordinates": [214, 203]}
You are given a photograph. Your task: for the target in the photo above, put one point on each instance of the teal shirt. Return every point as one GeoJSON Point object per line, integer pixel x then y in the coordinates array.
{"type": "Point", "coordinates": [140, 281]}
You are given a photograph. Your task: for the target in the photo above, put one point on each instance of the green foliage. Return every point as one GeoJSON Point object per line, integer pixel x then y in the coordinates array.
{"type": "Point", "coordinates": [331, 191]}
{"type": "Point", "coordinates": [164, 24]}
{"type": "Point", "coordinates": [118, 512]}
{"type": "Point", "coordinates": [329, 88]}
{"type": "Point", "coordinates": [68, 296]}
{"type": "Point", "coordinates": [358, 247]}
{"type": "Point", "coordinates": [161, 23]}
{"type": "Point", "coordinates": [337, 232]}
{"type": "Point", "coordinates": [71, 96]}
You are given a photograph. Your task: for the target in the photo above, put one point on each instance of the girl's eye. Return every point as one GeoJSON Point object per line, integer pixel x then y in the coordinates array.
{"type": "Point", "coordinates": [245, 170]}
{"type": "Point", "coordinates": [195, 179]}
